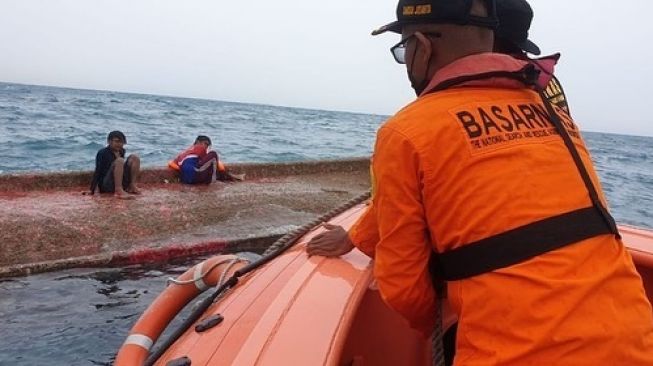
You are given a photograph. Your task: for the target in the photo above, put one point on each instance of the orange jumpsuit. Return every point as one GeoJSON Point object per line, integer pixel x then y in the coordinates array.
{"type": "Point", "coordinates": [470, 162]}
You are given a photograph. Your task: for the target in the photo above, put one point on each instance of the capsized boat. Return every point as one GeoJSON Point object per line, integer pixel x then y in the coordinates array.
{"type": "Point", "coordinates": [290, 309]}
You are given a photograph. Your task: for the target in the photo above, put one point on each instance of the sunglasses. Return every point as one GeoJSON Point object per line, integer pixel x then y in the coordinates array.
{"type": "Point", "coordinates": [399, 50]}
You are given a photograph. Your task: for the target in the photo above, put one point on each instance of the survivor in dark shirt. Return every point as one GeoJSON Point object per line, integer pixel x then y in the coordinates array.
{"type": "Point", "coordinates": [103, 161]}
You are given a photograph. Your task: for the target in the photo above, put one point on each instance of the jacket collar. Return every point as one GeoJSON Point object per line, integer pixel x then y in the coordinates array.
{"type": "Point", "coordinates": [492, 62]}
{"type": "Point", "coordinates": [546, 65]}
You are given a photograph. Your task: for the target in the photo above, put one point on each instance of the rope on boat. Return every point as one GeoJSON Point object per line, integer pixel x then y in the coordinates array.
{"type": "Point", "coordinates": [226, 270]}
{"type": "Point", "coordinates": [437, 354]}
{"type": "Point", "coordinates": [203, 275]}
{"type": "Point", "coordinates": [276, 249]}
{"type": "Point", "coordinates": [301, 231]}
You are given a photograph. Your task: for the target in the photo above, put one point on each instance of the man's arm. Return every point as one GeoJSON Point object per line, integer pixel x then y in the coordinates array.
{"type": "Point", "coordinates": [402, 253]}
{"type": "Point", "coordinates": [335, 241]}
{"type": "Point", "coordinates": [364, 234]}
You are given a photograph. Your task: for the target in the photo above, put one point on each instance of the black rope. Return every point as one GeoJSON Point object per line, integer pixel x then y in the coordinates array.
{"type": "Point", "coordinates": [437, 343]}
{"type": "Point", "coordinates": [275, 250]}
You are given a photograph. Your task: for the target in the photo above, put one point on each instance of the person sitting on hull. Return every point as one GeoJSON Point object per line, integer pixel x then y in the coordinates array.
{"type": "Point", "coordinates": [518, 228]}
{"type": "Point", "coordinates": [200, 165]}
{"type": "Point", "coordinates": [113, 173]}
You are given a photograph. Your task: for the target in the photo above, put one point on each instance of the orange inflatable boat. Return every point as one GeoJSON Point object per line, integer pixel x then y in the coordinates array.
{"type": "Point", "coordinates": [296, 310]}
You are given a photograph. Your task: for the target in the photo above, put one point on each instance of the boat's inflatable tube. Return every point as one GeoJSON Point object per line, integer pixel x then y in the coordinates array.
{"type": "Point", "coordinates": [170, 302]}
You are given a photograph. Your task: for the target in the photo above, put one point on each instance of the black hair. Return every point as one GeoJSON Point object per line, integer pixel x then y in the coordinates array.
{"type": "Point", "coordinates": [117, 135]}
{"type": "Point", "coordinates": [202, 138]}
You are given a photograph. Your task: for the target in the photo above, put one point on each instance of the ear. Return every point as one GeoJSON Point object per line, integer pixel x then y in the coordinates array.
{"type": "Point", "coordinates": [419, 64]}
{"type": "Point", "coordinates": [424, 50]}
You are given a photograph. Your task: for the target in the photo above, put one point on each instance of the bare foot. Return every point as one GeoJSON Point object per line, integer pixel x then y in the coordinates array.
{"type": "Point", "coordinates": [122, 195]}
{"type": "Point", "coordinates": [239, 177]}
{"type": "Point", "coordinates": [133, 190]}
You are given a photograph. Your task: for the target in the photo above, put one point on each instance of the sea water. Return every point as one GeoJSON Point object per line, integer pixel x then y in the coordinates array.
{"type": "Point", "coordinates": [81, 316]}
{"type": "Point", "coordinates": [59, 129]}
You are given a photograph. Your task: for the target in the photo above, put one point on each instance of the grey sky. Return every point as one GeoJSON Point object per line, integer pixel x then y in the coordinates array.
{"type": "Point", "coordinates": [313, 54]}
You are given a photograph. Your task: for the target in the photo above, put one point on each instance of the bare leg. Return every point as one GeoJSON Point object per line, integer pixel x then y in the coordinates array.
{"type": "Point", "coordinates": [117, 178]}
{"type": "Point", "coordinates": [134, 164]}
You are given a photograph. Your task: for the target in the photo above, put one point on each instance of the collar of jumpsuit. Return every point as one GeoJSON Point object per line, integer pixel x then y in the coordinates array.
{"type": "Point", "coordinates": [491, 62]}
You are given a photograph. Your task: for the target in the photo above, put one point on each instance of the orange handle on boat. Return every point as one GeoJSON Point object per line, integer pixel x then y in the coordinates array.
{"type": "Point", "coordinates": [170, 302]}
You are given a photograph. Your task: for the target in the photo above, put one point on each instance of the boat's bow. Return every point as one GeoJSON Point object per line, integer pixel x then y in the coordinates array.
{"type": "Point", "coordinates": [305, 311]}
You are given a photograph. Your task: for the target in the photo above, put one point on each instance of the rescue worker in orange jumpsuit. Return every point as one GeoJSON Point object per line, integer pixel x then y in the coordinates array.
{"type": "Point", "coordinates": [485, 176]}
{"type": "Point", "coordinates": [511, 38]}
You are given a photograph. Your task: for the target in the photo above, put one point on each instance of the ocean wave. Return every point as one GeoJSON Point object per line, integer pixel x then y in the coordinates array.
{"type": "Point", "coordinates": [57, 129]}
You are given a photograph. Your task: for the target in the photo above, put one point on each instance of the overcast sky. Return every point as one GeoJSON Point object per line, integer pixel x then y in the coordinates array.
{"type": "Point", "coordinates": [311, 54]}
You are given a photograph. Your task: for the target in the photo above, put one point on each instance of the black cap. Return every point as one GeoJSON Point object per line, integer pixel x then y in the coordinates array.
{"type": "Point", "coordinates": [439, 12]}
{"type": "Point", "coordinates": [117, 135]}
{"type": "Point", "coordinates": [515, 17]}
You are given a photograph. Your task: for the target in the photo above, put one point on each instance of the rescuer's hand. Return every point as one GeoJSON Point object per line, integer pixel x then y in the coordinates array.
{"type": "Point", "coordinates": [333, 242]}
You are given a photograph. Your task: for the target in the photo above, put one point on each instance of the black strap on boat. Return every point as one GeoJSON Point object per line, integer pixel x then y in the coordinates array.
{"type": "Point", "coordinates": [528, 241]}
